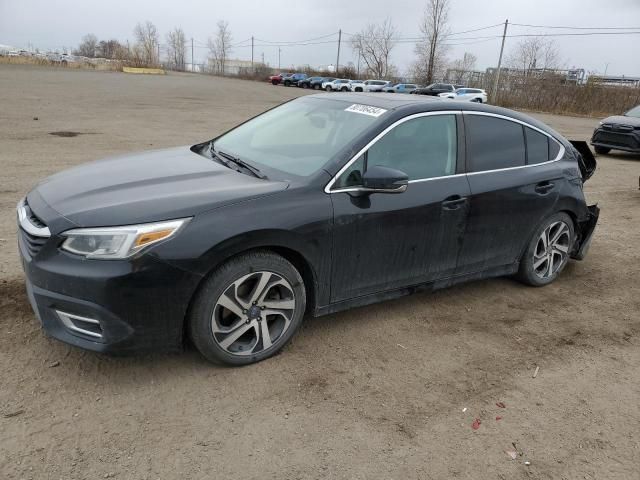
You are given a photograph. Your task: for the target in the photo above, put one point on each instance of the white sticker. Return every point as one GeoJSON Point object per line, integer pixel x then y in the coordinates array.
{"type": "Point", "coordinates": [365, 110]}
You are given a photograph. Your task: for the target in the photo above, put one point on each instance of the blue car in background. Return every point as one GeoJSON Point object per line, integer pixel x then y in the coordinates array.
{"type": "Point", "coordinates": [400, 88]}
{"type": "Point", "coordinates": [294, 79]}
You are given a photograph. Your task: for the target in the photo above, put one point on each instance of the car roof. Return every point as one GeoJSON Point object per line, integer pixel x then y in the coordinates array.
{"type": "Point", "coordinates": [423, 103]}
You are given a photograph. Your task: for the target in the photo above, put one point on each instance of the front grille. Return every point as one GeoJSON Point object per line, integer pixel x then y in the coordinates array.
{"type": "Point", "coordinates": [32, 243]}
{"type": "Point", "coordinates": [34, 233]}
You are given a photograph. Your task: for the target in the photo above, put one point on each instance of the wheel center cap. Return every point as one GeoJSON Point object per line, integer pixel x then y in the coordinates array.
{"type": "Point", "coordinates": [254, 312]}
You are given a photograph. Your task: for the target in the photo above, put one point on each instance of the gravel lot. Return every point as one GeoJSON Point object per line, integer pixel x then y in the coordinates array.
{"type": "Point", "coordinates": [376, 392]}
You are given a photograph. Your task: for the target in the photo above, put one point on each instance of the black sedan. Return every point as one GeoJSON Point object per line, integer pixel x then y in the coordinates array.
{"type": "Point", "coordinates": [620, 132]}
{"type": "Point", "coordinates": [324, 203]}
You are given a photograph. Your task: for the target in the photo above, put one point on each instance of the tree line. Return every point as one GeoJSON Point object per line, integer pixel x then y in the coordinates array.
{"type": "Point", "coordinates": [374, 46]}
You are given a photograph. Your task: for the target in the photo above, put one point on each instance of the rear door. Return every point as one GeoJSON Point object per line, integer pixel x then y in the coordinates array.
{"type": "Point", "coordinates": [386, 241]}
{"type": "Point", "coordinates": [514, 186]}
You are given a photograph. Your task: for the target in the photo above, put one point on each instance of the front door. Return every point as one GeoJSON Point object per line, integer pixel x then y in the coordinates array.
{"type": "Point", "coordinates": [386, 241]}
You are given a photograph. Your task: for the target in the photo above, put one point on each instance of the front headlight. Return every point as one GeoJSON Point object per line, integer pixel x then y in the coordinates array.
{"type": "Point", "coordinates": [110, 243]}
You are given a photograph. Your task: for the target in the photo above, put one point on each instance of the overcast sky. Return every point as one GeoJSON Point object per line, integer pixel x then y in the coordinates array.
{"type": "Point", "coordinates": [53, 24]}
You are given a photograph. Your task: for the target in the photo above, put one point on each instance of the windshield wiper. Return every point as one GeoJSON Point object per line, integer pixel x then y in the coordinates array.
{"type": "Point", "coordinates": [225, 158]}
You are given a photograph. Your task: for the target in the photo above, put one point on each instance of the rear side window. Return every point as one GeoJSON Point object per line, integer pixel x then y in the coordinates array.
{"type": "Point", "coordinates": [493, 143]}
{"type": "Point", "coordinates": [537, 146]}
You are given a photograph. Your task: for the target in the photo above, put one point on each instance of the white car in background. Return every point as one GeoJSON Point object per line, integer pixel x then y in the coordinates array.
{"type": "Point", "coordinates": [356, 85]}
{"type": "Point", "coordinates": [374, 85]}
{"type": "Point", "coordinates": [337, 85]}
{"type": "Point", "coordinates": [467, 94]}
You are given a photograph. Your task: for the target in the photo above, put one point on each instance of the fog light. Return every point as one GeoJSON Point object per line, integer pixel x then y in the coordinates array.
{"type": "Point", "coordinates": [84, 325]}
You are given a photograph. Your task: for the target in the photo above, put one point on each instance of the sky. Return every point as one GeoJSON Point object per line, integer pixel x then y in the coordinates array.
{"type": "Point", "coordinates": [54, 24]}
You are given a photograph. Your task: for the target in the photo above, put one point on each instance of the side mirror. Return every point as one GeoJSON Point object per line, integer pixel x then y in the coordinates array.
{"type": "Point", "coordinates": [379, 179]}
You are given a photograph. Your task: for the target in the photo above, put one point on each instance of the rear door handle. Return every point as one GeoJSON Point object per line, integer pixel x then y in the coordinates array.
{"type": "Point", "coordinates": [544, 187]}
{"type": "Point", "coordinates": [453, 202]}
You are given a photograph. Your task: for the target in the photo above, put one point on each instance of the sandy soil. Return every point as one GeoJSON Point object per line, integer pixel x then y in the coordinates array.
{"type": "Point", "coordinates": [376, 392]}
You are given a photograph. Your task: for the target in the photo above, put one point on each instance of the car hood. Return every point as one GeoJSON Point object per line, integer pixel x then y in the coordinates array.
{"type": "Point", "coordinates": [144, 187]}
{"type": "Point", "coordinates": [622, 120]}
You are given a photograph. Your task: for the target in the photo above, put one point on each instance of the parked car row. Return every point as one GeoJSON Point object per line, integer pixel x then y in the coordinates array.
{"type": "Point", "coordinates": [334, 84]}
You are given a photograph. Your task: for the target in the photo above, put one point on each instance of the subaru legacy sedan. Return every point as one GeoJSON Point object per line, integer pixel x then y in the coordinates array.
{"type": "Point", "coordinates": [324, 203]}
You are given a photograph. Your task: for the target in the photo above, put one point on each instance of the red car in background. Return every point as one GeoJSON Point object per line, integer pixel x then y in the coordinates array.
{"type": "Point", "coordinates": [279, 78]}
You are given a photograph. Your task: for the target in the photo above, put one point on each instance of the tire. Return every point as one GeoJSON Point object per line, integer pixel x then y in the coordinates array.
{"type": "Point", "coordinates": [359, 89]}
{"type": "Point", "coordinates": [602, 150]}
{"type": "Point", "coordinates": [327, 88]}
{"type": "Point", "coordinates": [316, 87]}
{"type": "Point", "coordinates": [305, 85]}
{"type": "Point", "coordinates": [273, 82]}
{"type": "Point", "coordinates": [287, 83]}
{"type": "Point", "coordinates": [344, 89]}
{"type": "Point", "coordinates": [228, 328]}
{"type": "Point", "coordinates": [543, 260]}
{"type": "Point", "coordinates": [477, 100]}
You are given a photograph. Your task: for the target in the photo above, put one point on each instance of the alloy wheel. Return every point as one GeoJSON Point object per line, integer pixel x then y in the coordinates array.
{"type": "Point", "coordinates": [552, 249]}
{"type": "Point", "coordinates": [253, 313]}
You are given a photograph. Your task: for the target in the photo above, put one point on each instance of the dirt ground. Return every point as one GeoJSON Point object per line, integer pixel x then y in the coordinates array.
{"type": "Point", "coordinates": [373, 393]}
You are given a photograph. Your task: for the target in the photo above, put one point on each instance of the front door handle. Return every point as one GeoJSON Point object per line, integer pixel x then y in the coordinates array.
{"type": "Point", "coordinates": [544, 187]}
{"type": "Point", "coordinates": [453, 202]}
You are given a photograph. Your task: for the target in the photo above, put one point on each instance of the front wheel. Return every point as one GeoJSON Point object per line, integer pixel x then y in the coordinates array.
{"type": "Point", "coordinates": [548, 251]}
{"type": "Point", "coordinates": [304, 85]}
{"type": "Point", "coordinates": [247, 309]}
{"type": "Point", "coordinates": [286, 84]}
{"type": "Point", "coordinates": [602, 150]}
{"type": "Point", "coordinates": [327, 88]}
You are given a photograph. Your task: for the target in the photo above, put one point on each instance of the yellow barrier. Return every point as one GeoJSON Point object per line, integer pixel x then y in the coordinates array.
{"type": "Point", "coordinates": [151, 71]}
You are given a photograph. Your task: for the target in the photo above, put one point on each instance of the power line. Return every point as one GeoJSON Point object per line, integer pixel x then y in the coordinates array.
{"type": "Point", "coordinates": [575, 28]}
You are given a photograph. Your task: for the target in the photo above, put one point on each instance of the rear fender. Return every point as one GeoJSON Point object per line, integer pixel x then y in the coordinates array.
{"type": "Point", "coordinates": [586, 160]}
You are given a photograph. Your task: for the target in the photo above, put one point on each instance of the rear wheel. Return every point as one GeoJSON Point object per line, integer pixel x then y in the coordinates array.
{"type": "Point", "coordinates": [358, 89]}
{"type": "Point", "coordinates": [344, 89]}
{"type": "Point", "coordinates": [274, 82]}
{"type": "Point", "coordinates": [247, 309]}
{"type": "Point", "coordinates": [548, 251]}
{"type": "Point", "coordinates": [305, 85]}
{"type": "Point", "coordinates": [602, 150]}
{"type": "Point", "coordinates": [316, 87]}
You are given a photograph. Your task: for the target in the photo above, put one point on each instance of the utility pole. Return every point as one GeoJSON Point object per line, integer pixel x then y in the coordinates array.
{"type": "Point", "coordinates": [192, 64]}
{"type": "Point", "coordinates": [338, 56]}
{"type": "Point", "coordinates": [262, 58]}
{"type": "Point", "coordinates": [279, 50]}
{"type": "Point", "coordinates": [158, 53]}
{"type": "Point", "coordinates": [495, 83]}
{"type": "Point", "coordinates": [251, 53]}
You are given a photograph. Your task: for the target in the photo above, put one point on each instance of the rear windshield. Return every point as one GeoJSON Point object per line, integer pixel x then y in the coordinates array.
{"type": "Point", "coordinates": [300, 136]}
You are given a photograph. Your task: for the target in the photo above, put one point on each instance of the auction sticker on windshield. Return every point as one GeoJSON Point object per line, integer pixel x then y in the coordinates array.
{"type": "Point", "coordinates": [365, 110]}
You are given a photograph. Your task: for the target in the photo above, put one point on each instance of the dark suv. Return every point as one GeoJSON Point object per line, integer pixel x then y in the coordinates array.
{"type": "Point", "coordinates": [324, 203]}
{"type": "Point", "coordinates": [620, 132]}
{"type": "Point", "coordinates": [293, 80]}
{"type": "Point", "coordinates": [435, 89]}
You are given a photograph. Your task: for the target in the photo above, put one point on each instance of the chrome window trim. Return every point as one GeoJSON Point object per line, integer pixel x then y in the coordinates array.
{"type": "Point", "coordinates": [27, 226]}
{"type": "Point", "coordinates": [327, 188]}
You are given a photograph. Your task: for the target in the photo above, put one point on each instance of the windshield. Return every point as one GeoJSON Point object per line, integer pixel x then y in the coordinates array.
{"type": "Point", "coordinates": [634, 112]}
{"type": "Point", "coordinates": [300, 136]}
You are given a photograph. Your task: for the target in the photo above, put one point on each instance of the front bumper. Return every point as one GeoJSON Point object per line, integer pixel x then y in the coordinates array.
{"type": "Point", "coordinates": [134, 305]}
{"type": "Point", "coordinates": [628, 141]}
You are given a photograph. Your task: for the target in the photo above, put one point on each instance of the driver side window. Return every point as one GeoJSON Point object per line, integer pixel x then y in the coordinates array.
{"type": "Point", "coordinates": [424, 147]}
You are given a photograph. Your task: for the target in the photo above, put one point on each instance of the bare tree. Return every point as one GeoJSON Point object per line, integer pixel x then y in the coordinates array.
{"type": "Point", "coordinates": [431, 49]}
{"type": "Point", "coordinates": [220, 47]}
{"type": "Point", "coordinates": [534, 53]}
{"type": "Point", "coordinates": [88, 46]}
{"type": "Point", "coordinates": [374, 45]}
{"type": "Point", "coordinates": [461, 68]}
{"type": "Point", "coordinates": [111, 49]}
{"type": "Point", "coordinates": [176, 48]}
{"type": "Point", "coordinates": [147, 43]}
